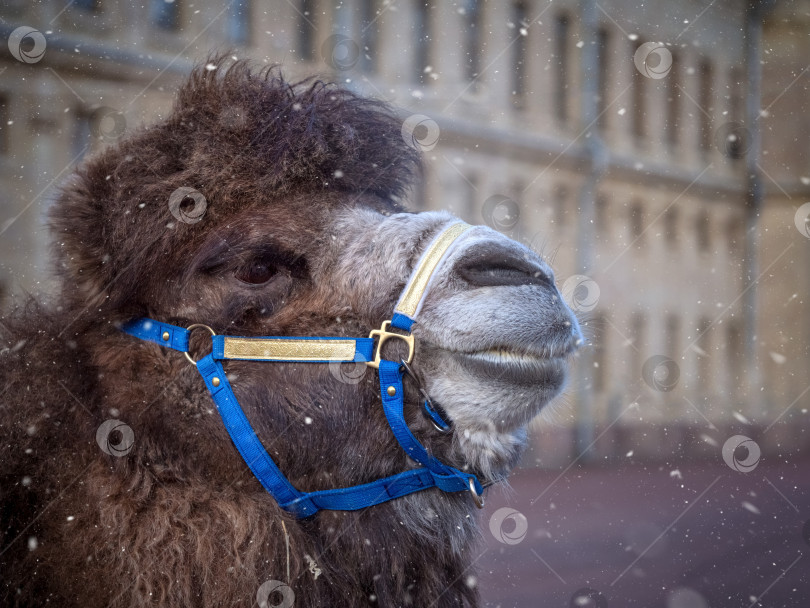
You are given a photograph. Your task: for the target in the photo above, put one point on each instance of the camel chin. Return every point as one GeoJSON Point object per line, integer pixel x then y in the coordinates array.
{"type": "Point", "coordinates": [491, 396]}
{"type": "Point", "coordinates": [493, 388]}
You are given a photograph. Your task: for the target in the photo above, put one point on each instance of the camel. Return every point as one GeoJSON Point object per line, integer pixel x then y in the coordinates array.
{"type": "Point", "coordinates": [261, 207]}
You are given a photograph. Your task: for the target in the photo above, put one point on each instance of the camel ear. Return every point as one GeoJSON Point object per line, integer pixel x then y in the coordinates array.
{"type": "Point", "coordinates": [80, 231]}
{"type": "Point", "coordinates": [113, 231]}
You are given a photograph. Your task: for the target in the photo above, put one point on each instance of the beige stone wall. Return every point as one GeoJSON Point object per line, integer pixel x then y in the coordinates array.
{"type": "Point", "coordinates": [663, 279]}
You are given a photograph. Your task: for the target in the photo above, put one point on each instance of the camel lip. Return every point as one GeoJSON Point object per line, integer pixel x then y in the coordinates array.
{"type": "Point", "coordinates": [527, 355]}
{"type": "Point", "coordinates": [520, 368]}
{"type": "Point", "coordinates": [505, 356]}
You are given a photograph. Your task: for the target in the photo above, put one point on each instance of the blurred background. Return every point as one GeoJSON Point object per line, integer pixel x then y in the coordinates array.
{"type": "Point", "coordinates": [656, 152]}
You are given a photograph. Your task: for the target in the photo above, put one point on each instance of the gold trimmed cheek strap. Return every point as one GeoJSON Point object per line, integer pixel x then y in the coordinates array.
{"type": "Point", "coordinates": [310, 350]}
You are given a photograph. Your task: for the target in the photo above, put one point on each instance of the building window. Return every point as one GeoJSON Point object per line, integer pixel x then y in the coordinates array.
{"type": "Point", "coordinates": [422, 51]}
{"type": "Point", "coordinates": [5, 117]}
{"type": "Point", "coordinates": [736, 147]}
{"type": "Point", "coordinates": [306, 29]}
{"type": "Point", "coordinates": [560, 205]}
{"type": "Point", "coordinates": [239, 22]}
{"type": "Point", "coordinates": [703, 231]}
{"type": "Point", "coordinates": [165, 15]}
{"type": "Point", "coordinates": [81, 140]}
{"type": "Point", "coordinates": [421, 190]}
{"type": "Point", "coordinates": [520, 17]}
{"type": "Point", "coordinates": [516, 190]}
{"type": "Point", "coordinates": [636, 220]}
{"type": "Point", "coordinates": [602, 73]}
{"type": "Point", "coordinates": [561, 57]}
{"type": "Point", "coordinates": [673, 336]}
{"type": "Point", "coordinates": [473, 40]}
{"type": "Point", "coordinates": [599, 329]}
{"type": "Point", "coordinates": [638, 326]}
{"type": "Point", "coordinates": [703, 342]}
{"type": "Point", "coordinates": [736, 95]}
{"type": "Point", "coordinates": [734, 345]}
{"type": "Point", "coordinates": [734, 236]}
{"type": "Point", "coordinates": [471, 197]}
{"type": "Point", "coordinates": [601, 212]}
{"type": "Point", "coordinates": [369, 34]}
{"type": "Point", "coordinates": [671, 227]}
{"type": "Point", "coordinates": [673, 105]}
{"type": "Point", "coordinates": [705, 101]}
{"type": "Point", "coordinates": [638, 125]}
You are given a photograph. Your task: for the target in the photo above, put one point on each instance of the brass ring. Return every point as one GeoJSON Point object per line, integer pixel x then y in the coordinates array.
{"type": "Point", "coordinates": [191, 328]}
{"type": "Point", "coordinates": [477, 498]}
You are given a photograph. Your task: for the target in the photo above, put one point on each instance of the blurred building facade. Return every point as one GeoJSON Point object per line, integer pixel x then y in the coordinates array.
{"type": "Point", "coordinates": [631, 175]}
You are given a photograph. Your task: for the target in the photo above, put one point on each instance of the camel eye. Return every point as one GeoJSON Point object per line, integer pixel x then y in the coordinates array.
{"type": "Point", "coordinates": [257, 272]}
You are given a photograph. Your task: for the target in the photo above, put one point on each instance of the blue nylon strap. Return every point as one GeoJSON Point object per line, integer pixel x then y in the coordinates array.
{"type": "Point", "coordinates": [403, 322]}
{"type": "Point", "coordinates": [153, 331]}
{"type": "Point", "coordinates": [364, 495]}
{"type": "Point", "coordinates": [363, 349]}
{"type": "Point", "coordinates": [448, 478]}
{"type": "Point", "coordinates": [243, 435]}
{"type": "Point", "coordinates": [433, 473]}
{"type": "Point", "coordinates": [436, 417]}
{"type": "Point", "coordinates": [304, 504]}
{"type": "Point", "coordinates": [373, 493]}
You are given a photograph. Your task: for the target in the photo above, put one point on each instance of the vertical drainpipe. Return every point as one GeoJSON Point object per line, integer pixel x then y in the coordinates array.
{"type": "Point", "coordinates": [753, 202]}
{"type": "Point", "coordinates": [596, 161]}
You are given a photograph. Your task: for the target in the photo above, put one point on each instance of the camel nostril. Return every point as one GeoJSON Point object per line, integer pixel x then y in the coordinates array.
{"type": "Point", "coordinates": [495, 268]}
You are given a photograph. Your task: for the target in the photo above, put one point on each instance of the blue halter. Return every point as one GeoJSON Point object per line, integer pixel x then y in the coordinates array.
{"type": "Point", "coordinates": [432, 473]}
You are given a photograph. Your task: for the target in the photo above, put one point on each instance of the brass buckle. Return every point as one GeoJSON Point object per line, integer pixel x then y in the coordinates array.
{"type": "Point", "coordinates": [383, 334]}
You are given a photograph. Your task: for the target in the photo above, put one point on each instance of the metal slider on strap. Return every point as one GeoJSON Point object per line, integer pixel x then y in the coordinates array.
{"type": "Point", "coordinates": [382, 335]}
{"type": "Point", "coordinates": [414, 292]}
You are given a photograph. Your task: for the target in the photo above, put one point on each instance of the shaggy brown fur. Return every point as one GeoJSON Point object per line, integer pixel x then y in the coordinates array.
{"type": "Point", "coordinates": [181, 521]}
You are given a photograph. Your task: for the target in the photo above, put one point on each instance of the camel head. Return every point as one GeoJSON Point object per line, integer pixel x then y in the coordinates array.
{"type": "Point", "coordinates": [264, 208]}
